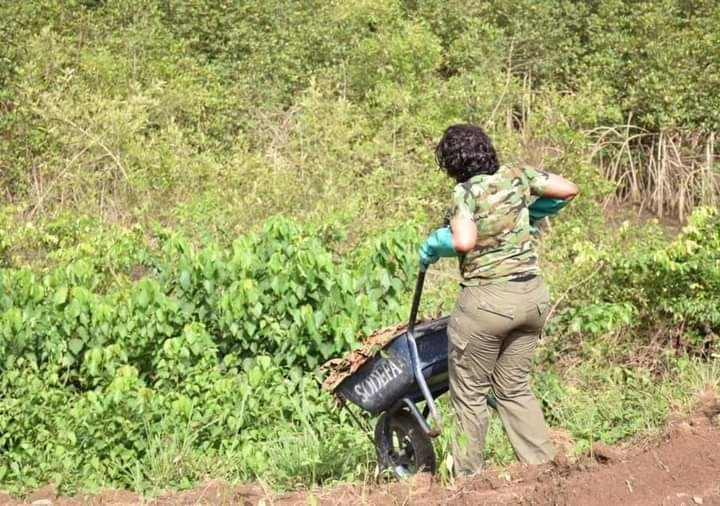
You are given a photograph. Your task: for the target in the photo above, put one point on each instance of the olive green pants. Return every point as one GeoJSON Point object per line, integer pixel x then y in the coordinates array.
{"type": "Point", "coordinates": [492, 335]}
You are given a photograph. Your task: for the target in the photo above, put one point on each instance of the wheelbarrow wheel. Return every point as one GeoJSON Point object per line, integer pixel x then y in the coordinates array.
{"type": "Point", "coordinates": [403, 447]}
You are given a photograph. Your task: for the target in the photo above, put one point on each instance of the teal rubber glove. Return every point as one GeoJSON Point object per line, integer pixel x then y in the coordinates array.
{"type": "Point", "coordinates": [438, 244]}
{"type": "Point", "coordinates": [545, 206]}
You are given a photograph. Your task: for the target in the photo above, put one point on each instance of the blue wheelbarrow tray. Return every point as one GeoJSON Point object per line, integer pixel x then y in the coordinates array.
{"type": "Point", "coordinates": [388, 379]}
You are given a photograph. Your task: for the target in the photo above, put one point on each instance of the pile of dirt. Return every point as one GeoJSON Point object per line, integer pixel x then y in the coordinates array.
{"type": "Point", "coordinates": [336, 370]}
{"type": "Point", "coordinates": [679, 467]}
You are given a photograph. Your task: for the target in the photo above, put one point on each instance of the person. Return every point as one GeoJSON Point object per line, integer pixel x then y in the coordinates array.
{"type": "Point", "coordinates": [503, 302]}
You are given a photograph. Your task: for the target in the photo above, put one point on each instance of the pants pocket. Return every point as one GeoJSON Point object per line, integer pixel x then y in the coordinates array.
{"type": "Point", "coordinates": [494, 316]}
{"type": "Point", "coordinates": [539, 314]}
{"type": "Point", "coordinates": [457, 335]}
{"type": "Point", "coordinates": [496, 309]}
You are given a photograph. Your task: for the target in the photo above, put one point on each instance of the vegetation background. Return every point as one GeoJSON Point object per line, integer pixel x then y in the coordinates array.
{"type": "Point", "coordinates": [204, 200]}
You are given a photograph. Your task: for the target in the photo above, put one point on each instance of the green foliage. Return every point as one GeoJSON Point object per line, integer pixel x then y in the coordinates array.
{"type": "Point", "coordinates": [231, 106]}
{"type": "Point", "coordinates": [656, 61]}
{"type": "Point", "coordinates": [154, 354]}
{"type": "Point", "coordinates": [220, 341]}
{"type": "Point", "coordinates": [595, 319]}
{"type": "Point", "coordinates": [665, 290]}
{"type": "Point", "coordinates": [606, 405]}
{"type": "Point", "coordinates": [686, 283]}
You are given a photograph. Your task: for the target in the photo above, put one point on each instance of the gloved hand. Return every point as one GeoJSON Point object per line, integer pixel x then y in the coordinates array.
{"type": "Point", "coordinates": [545, 206]}
{"type": "Point", "coordinates": [438, 244]}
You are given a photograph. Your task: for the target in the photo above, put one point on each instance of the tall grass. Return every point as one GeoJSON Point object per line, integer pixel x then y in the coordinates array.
{"type": "Point", "coordinates": [668, 173]}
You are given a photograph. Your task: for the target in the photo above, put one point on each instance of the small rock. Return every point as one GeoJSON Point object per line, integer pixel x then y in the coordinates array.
{"type": "Point", "coordinates": [685, 426]}
{"type": "Point", "coordinates": [42, 502]}
{"type": "Point", "coordinates": [709, 404]}
{"type": "Point", "coordinates": [604, 454]}
{"type": "Point", "coordinates": [697, 500]}
{"type": "Point", "coordinates": [563, 442]}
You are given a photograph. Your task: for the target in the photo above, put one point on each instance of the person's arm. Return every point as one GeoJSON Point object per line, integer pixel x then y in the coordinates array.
{"type": "Point", "coordinates": [460, 237]}
{"type": "Point", "coordinates": [463, 226]}
{"type": "Point", "coordinates": [554, 193]}
{"type": "Point", "coordinates": [556, 186]}
{"type": "Point", "coordinates": [547, 184]}
{"type": "Point", "coordinates": [464, 234]}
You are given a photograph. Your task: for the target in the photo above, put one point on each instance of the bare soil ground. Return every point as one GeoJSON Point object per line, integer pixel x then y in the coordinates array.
{"type": "Point", "coordinates": [679, 467]}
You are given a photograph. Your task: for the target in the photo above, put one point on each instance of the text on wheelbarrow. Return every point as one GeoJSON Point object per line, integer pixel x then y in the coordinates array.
{"type": "Point", "coordinates": [383, 374]}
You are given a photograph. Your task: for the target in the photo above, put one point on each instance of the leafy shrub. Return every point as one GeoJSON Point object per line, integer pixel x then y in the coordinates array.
{"type": "Point", "coordinates": [144, 357]}
{"type": "Point", "coordinates": [664, 293]}
{"type": "Point", "coordinates": [218, 340]}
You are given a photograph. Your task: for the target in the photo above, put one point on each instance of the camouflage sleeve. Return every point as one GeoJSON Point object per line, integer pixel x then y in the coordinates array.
{"type": "Point", "coordinates": [463, 203]}
{"type": "Point", "coordinates": [537, 180]}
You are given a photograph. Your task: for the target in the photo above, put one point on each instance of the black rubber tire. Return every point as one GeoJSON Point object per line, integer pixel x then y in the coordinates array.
{"type": "Point", "coordinates": [406, 450]}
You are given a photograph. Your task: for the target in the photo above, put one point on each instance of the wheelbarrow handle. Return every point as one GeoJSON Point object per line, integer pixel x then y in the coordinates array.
{"type": "Point", "coordinates": [416, 300]}
{"type": "Point", "coordinates": [412, 345]}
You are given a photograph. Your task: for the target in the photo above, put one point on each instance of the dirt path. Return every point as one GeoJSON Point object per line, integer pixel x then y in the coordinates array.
{"type": "Point", "coordinates": [681, 467]}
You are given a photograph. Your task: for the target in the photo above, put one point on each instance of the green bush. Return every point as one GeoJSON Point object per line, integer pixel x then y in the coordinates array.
{"type": "Point", "coordinates": [654, 60]}
{"type": "Point", "coordinates": [221, 341]}
{"type": "Point", "coordinates": [154, 354]}
{"type": "Point", "coordinates": [664, 294]}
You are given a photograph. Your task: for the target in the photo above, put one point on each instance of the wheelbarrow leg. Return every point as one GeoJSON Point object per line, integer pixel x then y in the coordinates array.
{"type": "Point", "coordinates": [415, 412]}
{"type": "Point", "coordinates": [362, 426]}
{"type": "Point", "coordinates": [415, 360]}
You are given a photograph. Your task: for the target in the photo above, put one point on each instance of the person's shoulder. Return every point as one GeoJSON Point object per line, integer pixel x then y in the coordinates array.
{"type": "Point", "coordinates": [516, 169]}
{"type": "Point", "coordinates": [510, 176]}
{"type": "Point", "coordinates": [531, 172]}
{"type": "Point", "coordinates": [470, 187]}
{"type": "Point", "coordinates": [464, 195]}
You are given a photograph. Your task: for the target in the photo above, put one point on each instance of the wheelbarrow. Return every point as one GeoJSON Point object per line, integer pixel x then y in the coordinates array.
{"type": "Point", "coordinates": [400, 383]}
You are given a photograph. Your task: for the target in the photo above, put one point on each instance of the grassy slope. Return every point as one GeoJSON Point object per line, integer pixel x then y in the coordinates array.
{"type": "Point", "coordinates": [127, 124]}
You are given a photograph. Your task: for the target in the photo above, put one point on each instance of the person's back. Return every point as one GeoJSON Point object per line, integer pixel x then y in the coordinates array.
{"type": "Point", "coordinates": [498, 204]}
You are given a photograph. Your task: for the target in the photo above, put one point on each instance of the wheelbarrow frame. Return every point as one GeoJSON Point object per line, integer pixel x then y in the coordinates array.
{"type": "Point", "coordinates": [394, 378]}
{"type": "Point", "coordinates": [411, 368]}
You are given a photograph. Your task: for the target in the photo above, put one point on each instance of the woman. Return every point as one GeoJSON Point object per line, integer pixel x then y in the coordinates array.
{"type": "Point", "coordinates": [503, 303]}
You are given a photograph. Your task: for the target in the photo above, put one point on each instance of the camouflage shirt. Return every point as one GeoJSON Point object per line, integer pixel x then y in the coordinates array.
{"type": "Point", "coordinates": [498, 204]}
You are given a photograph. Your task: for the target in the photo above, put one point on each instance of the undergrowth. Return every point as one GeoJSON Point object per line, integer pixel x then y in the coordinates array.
{"type": "Point", "coordinates": [201, 204]}
{"type": "Point", "coordinates": [160, 381]}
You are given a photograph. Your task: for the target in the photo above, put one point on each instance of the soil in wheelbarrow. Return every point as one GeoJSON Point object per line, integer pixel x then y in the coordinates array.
{"type": "Point", "coordinates": [679, 467]}
{"type": "Point", "coordinates": [337, 369]}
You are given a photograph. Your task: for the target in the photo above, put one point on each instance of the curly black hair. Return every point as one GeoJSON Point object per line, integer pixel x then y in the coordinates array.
{"type": "Point", "coordinates": [466, 151]}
